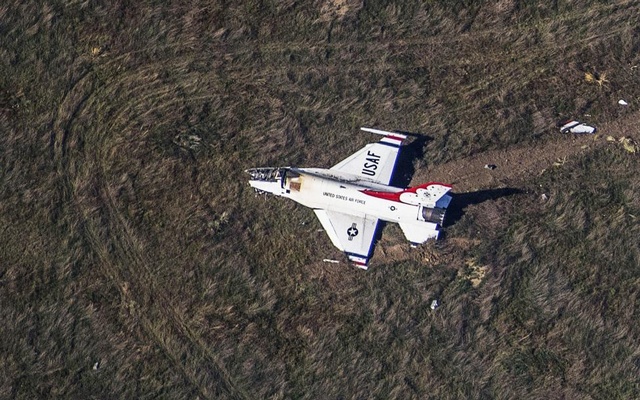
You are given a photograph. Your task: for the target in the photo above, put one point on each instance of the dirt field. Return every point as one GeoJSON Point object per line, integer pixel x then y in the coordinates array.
{"type": "Point", "coordinates": [136, 262]}
{"type": "Point", "coordinates": [517, 165]}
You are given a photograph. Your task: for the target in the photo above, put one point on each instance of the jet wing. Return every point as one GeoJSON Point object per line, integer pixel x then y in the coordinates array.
{"type": "Point", "coordinates": [374, 161]}
{"type": "Point", "coordinates": [352, 234]}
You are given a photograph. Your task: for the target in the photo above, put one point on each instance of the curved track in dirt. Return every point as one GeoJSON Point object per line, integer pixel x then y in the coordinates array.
{"type": "Point", "coordinates": [82, 157]}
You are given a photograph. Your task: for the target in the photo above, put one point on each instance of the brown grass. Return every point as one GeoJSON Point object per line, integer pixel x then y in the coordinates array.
{"type": "Point", "coordinates": [128, 243]}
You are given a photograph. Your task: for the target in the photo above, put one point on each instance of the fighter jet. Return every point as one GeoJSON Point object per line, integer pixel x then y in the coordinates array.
{"type": "Point", "coordinates": [351, 197]}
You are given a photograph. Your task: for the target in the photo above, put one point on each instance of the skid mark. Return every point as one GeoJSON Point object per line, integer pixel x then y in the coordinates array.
{"type": "Point", "coordinates": [518, 164]}
{"type": "Point", "coordinates": [110, 236]}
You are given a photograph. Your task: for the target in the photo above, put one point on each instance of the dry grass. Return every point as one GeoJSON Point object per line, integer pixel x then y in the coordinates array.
{"type": "Point", "coordinates": [130, 239]}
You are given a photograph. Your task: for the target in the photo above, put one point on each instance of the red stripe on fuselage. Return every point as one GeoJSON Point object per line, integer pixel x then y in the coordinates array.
{"type": "Point", "coordinates": [395, 196]}
{"type": "Point", "coordinates": [391, 196]}
{"type": "Point", "coordinates": [425, 185]}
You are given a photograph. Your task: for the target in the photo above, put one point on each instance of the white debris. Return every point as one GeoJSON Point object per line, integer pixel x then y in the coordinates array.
{"type": "Point", "coordinates": [622, 102]}
{"type": "Point", "coordinates": [331, 261]}
{"type": "Point", "coordinates": [96, 365]}
{"type": "Point", "coordinates": [435, 304]}
{"type": "Point", "coordinates": [490, 166]}
{"type": "Point", "coordinates": [544, 197]}
{"type": "Point", "coordinates": [577, 127]}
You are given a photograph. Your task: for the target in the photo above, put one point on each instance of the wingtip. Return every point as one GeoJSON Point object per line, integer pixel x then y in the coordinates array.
{"type": "Point", "coordinates": [358, 261]}
{"type": "Point", "coordinates": [360, 265]}
{"type": "Point", "coordinates": [394, 135]}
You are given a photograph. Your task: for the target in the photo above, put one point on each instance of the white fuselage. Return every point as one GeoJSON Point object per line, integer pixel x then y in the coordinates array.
{"type": "Point", "coordinates": [351, 197]}
{"type": "Point", "coordinates": [335, 191]}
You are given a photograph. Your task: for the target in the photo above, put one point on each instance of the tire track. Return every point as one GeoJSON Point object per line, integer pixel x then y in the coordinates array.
{"type": "Point", "coordinates": [106, 230]}
{"type": "Point", "coordinates": [128, 251]}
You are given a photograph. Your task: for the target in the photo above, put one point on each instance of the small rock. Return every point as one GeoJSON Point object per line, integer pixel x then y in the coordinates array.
{"type": "Point", "coordinates": [435, 304]}
{"type": "Point", "coordinates": [490, 166]}
{"type": "Point", "coordinates": [544, 197]}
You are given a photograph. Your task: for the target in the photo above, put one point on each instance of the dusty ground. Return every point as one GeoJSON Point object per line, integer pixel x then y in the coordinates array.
{"type": "Point", "coordinates": [516, 165]}
{"type": "Point", "coordinates": [516, 168]}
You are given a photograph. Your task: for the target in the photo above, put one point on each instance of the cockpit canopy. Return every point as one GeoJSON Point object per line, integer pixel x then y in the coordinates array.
{"type": "Point", "coordinates": [263, 179]}
{"type": "Point", "coordinates": [267, 174]}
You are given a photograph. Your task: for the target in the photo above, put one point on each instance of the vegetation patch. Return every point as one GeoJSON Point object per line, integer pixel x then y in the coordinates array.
{"type": "Point", "coordinates": [137, 262]}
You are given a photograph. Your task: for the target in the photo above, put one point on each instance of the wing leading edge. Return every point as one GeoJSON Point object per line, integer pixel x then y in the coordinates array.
{"type": "Point", "coordinates": [352, 234]}
{"type": "Point", "coordinates": [374, 161]}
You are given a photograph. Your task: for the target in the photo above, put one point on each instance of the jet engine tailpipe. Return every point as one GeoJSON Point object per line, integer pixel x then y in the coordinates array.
{"type": "Point", "coordinates": [435, 215]}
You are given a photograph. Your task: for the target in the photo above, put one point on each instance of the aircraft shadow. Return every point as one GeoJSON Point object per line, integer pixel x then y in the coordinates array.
{"type": "Point", "coordinates": [405, 170]}
{"type": "Point", "coordinates": [456, 209]}
{"type": "Point", "coordinates": [460, 201]}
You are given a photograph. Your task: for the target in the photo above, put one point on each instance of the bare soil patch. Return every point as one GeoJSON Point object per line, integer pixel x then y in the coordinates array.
{"type": "Point", "coordinates": [517, 164]}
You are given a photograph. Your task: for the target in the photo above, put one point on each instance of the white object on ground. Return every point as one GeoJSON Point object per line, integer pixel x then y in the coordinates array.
{"type": "Point", "coordinates": [622, 102]}
{"type": "Point", "coordinates": [577, 127]}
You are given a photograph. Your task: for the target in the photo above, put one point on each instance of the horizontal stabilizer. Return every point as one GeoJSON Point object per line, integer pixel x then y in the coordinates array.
{"type": "Point", "coordinates": [427, 194]}
{"type": "Point", "coordinates": [420, 233]}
